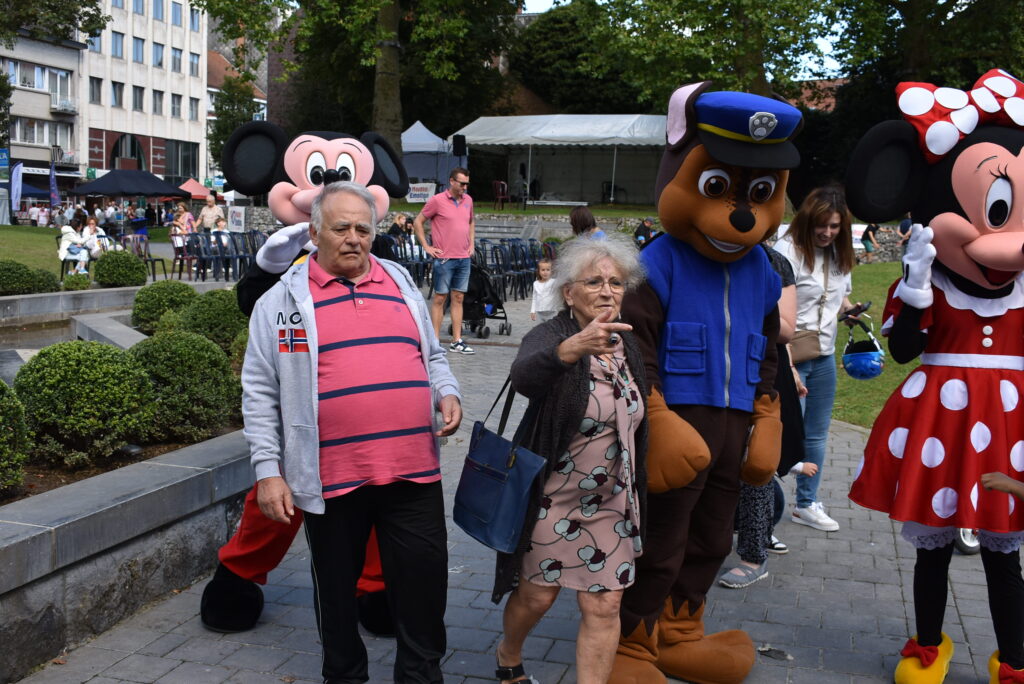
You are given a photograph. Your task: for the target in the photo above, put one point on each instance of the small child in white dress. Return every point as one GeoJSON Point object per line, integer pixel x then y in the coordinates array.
{"type": "Point", "coordinates": [546, 300]}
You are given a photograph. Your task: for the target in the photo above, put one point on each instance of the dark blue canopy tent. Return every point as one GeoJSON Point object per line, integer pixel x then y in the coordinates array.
{"type": "Point", "coordinates": [130, 182]}
{"type": "Point", "coordinates": [27, 190]}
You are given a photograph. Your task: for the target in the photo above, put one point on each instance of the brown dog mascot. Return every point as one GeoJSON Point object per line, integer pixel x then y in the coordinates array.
{"type": "Point", "coordinates": [707, 320]}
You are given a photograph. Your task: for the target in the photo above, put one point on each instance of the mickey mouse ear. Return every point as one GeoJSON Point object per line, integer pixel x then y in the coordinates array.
{"type": "Point", "coordinates": [681, 122]}
{"type": "Point", "coordinates": [388, 170]}
{"type": "Point", "coordinates": [251, 159]}
{"type": "Point", "coordinates": [886, 172]}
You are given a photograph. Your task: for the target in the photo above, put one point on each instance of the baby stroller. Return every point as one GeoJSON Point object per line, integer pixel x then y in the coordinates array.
{"type": "Point", "coordinates": [482, 302]}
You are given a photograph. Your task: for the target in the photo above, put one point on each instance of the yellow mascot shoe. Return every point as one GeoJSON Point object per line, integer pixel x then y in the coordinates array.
{"type": "Point", "coordinates": [1001, 673]}
{"type": "Point", "coordinates": [924, 664]}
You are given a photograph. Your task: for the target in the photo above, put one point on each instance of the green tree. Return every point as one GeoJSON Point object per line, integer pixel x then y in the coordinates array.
{"type": "Point", "coordinates": [559, 57]}
{"type": "Point", "coordinates": [751, 45]}
{"type": "Point", "coordinates": [46, 19]}
{"type": "Point", "coordinates": [233, 106]}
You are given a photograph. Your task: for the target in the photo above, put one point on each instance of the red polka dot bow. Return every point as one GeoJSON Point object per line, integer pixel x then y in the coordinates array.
{"type": "Point", "coordinates": [945, 116]}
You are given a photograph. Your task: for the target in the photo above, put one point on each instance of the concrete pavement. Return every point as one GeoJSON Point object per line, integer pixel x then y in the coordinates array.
{"type": "Point", "coordinates": [837, 608]}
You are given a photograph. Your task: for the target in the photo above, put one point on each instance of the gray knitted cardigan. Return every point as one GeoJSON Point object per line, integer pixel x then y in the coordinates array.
{"type": "Point", "coordinates": [563, 391]}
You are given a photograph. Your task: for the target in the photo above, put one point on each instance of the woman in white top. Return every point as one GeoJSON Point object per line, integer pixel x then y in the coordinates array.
{"type": "Point", "coordinates": [72, 246]}
{"type": "Point", "coordinates": [819, 246]}
{"type": "Point", "coordinates": [95, 238]}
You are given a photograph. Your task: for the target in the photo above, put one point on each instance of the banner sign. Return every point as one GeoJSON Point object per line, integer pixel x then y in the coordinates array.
{"type": "Point", "coordinates": [420, 192]}
{"type": "Point", "coordinates": [236, 219]}
{"type": "Point", "coordinates": [5, 164]}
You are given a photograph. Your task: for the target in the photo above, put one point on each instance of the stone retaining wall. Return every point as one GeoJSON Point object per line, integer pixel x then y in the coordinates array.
{"type": "Point", "coordinates": [76, 560]}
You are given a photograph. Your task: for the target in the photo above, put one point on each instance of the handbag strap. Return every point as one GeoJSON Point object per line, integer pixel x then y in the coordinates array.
{"type": "Point", "coordinates": [826, 267]}
{"type": "Point", "coordinates": [529, 418]}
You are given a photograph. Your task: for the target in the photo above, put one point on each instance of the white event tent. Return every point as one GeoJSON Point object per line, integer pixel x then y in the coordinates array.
{"type": "Point", "coordinates": [426, 156]}
{"type": "Point", "coordinates": [576, 157]}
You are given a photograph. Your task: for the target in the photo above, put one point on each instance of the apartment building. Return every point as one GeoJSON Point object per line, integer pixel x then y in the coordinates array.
{"type": "Point", "coordinates": [44, 108]}
{"type": "Point", "coordinates": [143, 91]}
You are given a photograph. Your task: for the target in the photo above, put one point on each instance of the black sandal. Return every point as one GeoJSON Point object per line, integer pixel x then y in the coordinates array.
{"type": "Point", "coordinates": [506, 673]}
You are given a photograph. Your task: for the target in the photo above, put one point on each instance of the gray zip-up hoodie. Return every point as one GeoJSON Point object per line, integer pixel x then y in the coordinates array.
{"type": "Point", "coordinates": [279, 390]}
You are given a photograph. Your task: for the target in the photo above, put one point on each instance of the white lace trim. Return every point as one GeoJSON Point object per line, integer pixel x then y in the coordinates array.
{"type": "Point", "coordinates": [927, 537]}
{"type": "Point", "coordinates": [987, 308]}
{"type": "Point", "coordinates": [1001, 542]}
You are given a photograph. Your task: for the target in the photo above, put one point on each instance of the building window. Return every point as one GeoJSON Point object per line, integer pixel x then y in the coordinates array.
{"type": "Point", "coordinates": [116, 94]}
{"type": "Point", "coordinates": [182, 161]}
{"type": "Point", "coordinates": [158, 10]}
{"type": "Point", "coordinates": [176, 106]}
{"type": "Point", "coordinates": [176, 60]}
{"type": "Point", "coordinates": [95, 90]}
{"type": "Point", "coordinates": [193, 109]}
{"type": "Point", "coordinates": [117, 44]}
{"type": "Point", "coordinates": [138, 93]}
{"type": "Point", "coordinates": [176, 13]}
{"type": "Point", "coordinates": [139, 6]}
{"type": "Point", "coordinates": [158, 55]}
{"type": "Point", "coordinates": [138, 50]}
{"type": "Point", "coordinates": [193, 64]}
{"type": "Point", "coordinates": [35, 132]}
{"type": "Point", "coordinates": [158, 102]}
{"type": "Point", "coordinates": [117, 3]}
{"type": "Point", "coordinates": [95, 43]}
{"type": "Point", "coordinates": [194, 19]}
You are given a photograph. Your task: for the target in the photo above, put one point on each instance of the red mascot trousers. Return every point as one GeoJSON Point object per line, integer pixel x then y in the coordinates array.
{"type": "Point", "coordinates": [260, 543]}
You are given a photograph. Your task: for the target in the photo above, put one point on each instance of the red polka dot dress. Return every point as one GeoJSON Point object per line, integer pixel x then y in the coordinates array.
{"type": "Point", "coordinates": [956, 417]}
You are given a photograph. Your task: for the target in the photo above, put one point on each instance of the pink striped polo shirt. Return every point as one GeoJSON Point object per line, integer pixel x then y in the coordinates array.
{"type": "Point", "coordinates": [375, 399]}
{"type": "Point", "coordinates": [449, 223]}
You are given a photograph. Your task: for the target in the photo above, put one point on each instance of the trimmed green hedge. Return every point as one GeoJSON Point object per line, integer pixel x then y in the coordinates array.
{"type": "Point", "coordinates": [120, 269]}
{"type": "Point", "coordinates": [77, 281]}
{"type": "Point", "coordinates": [155, 299]}
{"type": "Point", "coordinates": [17, 278]}
{"type": "Point", "coordinates": [237, 351]}
{"type": "Point", "coordinates": [194, 388]}
{"type": "Point", "coordinates": [215, 315]}
{"type": "Point", "coordinates": [14, 439]}
{"type": "Point", "coordinates": [83, 401]}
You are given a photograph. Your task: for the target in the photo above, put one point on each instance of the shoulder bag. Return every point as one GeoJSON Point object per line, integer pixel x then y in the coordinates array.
{"type": "Point", "coordinates": [805, 344]}
{"type": "Point", "coordinates": [494, 490]}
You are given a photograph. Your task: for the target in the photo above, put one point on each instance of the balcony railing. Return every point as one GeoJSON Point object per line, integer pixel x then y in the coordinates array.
{"type": "Point", "coordinates": [62, 105]}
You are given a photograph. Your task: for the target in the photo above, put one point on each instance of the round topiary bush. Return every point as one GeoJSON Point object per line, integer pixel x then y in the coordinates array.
{"type": "Point", "coordinates": [171, 320]}
{"type": "Point", "coordinates": [120, 269]}
{"type": "Point", "coordinates": [237, 350]}
{"type": "Point", "coordinates": [17, 278]}
{"type": "Point", "coordinates": [83, 401]}
{"type": "Point", "coordinates": [155, 299]}
{"type": "Point", "coordinates": [44, 281]}
{"type": "Point", "coordinates": [14, 439]}
{"type": "Point", "coordinates": [215, 315]}
{"type": "Point", "coordinates": [77, 281]}
{"type": "Point", "coordinates": [194, 388]}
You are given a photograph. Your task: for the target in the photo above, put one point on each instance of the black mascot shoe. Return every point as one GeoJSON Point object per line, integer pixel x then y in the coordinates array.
{"type": "Point", "coordinates": [230, 603]}
{"type": "Point", "coordinates": [375, 615]}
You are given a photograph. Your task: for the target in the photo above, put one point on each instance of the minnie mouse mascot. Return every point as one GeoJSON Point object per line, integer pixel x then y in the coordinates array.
{"type": "Point", "coordinates": [956, 164]}
{"type": "Point", "coordinates": [259, 158]}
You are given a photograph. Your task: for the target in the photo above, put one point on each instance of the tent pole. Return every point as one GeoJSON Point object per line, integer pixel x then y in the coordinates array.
{"type": "Point", "coordinates": [529, 172]}
{"type": "Point", "coordinates": [615, 159]}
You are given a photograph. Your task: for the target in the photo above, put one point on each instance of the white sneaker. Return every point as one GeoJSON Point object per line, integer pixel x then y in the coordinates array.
{"type": "Point", "coordinates": [816, 517]}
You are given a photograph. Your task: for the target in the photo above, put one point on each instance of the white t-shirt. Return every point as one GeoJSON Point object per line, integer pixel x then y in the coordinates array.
{"type": "Point", "coordinates": [809, 288]}
{"type": "Point", "coordinates": [545, 296]}
{"type": "Point", "coordinates": [33, 213]}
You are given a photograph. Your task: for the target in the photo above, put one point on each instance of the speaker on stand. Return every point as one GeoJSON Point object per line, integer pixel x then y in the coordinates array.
{"type": "Point", "coordinates": [459, 147]}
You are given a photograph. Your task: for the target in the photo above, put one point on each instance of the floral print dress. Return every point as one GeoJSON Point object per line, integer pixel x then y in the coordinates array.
{"type": "Point", "coordinates": [587, 534]}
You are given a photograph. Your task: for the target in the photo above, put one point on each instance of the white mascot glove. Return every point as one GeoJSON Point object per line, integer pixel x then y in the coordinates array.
{"type": "Point", "coordinates": [916, 287]}
{"type": "Point", "coordinates": [281, 248]}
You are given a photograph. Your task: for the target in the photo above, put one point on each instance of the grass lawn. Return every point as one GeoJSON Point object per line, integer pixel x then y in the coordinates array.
{"type": "Point", "coordinates": [32, 246]}
{"type": "Point", "coordinates": [859, 401]}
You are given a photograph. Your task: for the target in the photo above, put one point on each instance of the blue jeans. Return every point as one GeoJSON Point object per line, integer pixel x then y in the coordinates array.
{"type": "Point", "coordinates": [819, 376]}
{"type": "Point", "coordinates": [451, 274]}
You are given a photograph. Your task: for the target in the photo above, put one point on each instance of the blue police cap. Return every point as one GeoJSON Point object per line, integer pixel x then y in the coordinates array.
{"type": "Point", "coordinates": [748, 130]}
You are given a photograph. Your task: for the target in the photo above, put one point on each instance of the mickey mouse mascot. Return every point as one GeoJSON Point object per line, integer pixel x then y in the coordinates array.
{"type": "Point", "coordinates": [259, 158]}
{"type": "Point", "coordinates": [956, 164]}
{"type": "Point", "coordinates": [707, 320]}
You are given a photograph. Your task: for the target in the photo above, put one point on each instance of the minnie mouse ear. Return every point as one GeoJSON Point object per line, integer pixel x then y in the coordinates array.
{"type": "Point", "coordinates": [886, 173]}
{"type": "Point", "coordinates": [252, 156]}
{"type": "Point", "coordinates": [388, 170]}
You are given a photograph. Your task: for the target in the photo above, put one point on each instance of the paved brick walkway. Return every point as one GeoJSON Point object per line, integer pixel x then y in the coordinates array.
{"type": "Point", "coordinates": [835, 609]}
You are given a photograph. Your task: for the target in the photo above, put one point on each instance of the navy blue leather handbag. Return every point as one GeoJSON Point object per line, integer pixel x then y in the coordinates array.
{"type": "Point", "coordinates": [494, 490]}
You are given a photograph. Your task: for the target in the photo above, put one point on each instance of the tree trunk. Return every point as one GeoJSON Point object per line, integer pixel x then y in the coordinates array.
{"type": "Point", "coordinates": [387, 89]}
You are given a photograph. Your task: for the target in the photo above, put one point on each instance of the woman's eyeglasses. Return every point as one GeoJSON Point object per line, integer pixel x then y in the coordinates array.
{"type": "Point", "coordinates": [597, 284]}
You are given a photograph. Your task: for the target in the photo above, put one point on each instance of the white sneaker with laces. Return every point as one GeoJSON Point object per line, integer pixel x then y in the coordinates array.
{"type": "Point", "coordinates": [461, 347]}
{"type": "Point", "coordinates": [816, 517]}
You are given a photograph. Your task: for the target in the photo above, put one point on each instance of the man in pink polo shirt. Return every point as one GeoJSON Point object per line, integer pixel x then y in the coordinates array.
{"type": "Point", "coordinates": [452, 227]}
{"type": "Point", "coordinates": [345, 394]}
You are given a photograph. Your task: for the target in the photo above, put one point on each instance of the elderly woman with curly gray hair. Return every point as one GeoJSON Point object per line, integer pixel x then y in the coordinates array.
{"type": "Point", "coordinates": [583, 530]}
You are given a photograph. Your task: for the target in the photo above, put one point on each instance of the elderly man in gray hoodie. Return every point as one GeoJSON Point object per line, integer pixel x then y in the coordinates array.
{"type": "Point", "coordinates": [346, 392]}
